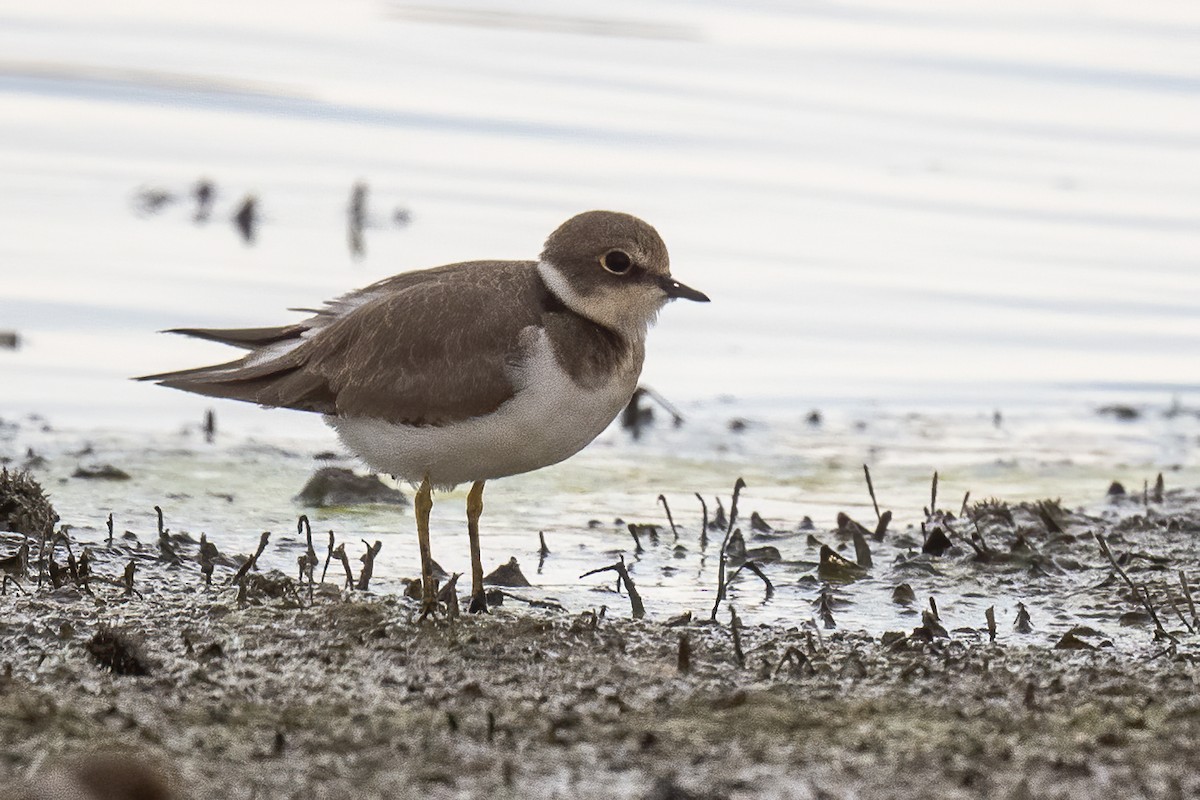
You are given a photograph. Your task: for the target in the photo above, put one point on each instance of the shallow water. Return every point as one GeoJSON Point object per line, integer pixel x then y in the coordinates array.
{"type": "Point", "coordinates": [237, 487]}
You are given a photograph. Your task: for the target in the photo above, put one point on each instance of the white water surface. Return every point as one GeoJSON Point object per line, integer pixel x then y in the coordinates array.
{"type": "Point", "coordinates": [928, 200]}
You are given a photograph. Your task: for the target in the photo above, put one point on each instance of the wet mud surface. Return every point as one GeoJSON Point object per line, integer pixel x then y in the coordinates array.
{"type": "Point", "coordinates": [351, 699]}
{"type": "Point", "coordinates": [263, 690]}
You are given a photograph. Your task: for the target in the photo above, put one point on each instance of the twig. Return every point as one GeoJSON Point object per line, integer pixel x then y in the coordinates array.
{"type": "Point", "coordinates": [339, 553]}
{"type": "Point", "coordinates": [553, 605]}
{"type": "Point", "coordinates": [719, 521]}
{"type": "Point", "coordinates": [166, 549]}
{"type": "Point", "coordinates": [368, 559]}
{"type": "Point", "coordinates": [721, 583]}
{"type": "Point", "coordinates": [207, 557]}
{"type": "Point", "coordinates": [1044, 515]}
{"type": "Point", "coordinates": [1143, 595]}
{"type": "Point", "coordinates": [793, 655]}
{"type": "Point", "coordinates": [871, 491]}
{"type": "Point", "coordinates": [757, 570]}
{"type": "Point", "coordinates": [58, 575]}
{"type": "Point", "coordinates": [933, 495]}
{"type": "Point", "coordinates": [543, 551]}
{"type": "Point", "coordinates": [981, 547]}
{"type": "Point", "coordinates": [1179, 613]}
{"type": "Point", "coordinates": [676, 417]}
{"type": "Point", "coordinates": [110, 529]}
{"type": "Point", "coordinates": [703, 522]}
{"type": "Point", "coordinates": [42, 559]}
{"type": "Point", "coordinates": [1108, 553]}
{"type": "Point", "coordinates": [663, 499]}
{"type": "Point", "coordinates": [64, 537]}
{"type": "Point", "coordinates": [735, 626]}
{"type": "Point", "coordinates": [825, 608]}
{"type": "Point", "coordinates": [83, 571]}
{"type": "Point", "coordinates": [638, 549]}
{"type": "Point", "coordinates": [250, 562]}
{"type": "Point", "coordinates": [130, 568]}
{"type": "Point", "coordinates": [733, 509]}
{"type": "Point", "coordinates": [1158, 626]}
{"type": "Point", "coordinates": [881, 528]}
{"type": "Point", "coordinates": [1187, 593]}
{"type": "Point", "coordinates": [635, 600]}
{"type": "Point", "coordinates": [448, 594]}
{"type": "Point", "coordinates": [981, 553]}
{"type": "Point", "coordinates": [310, 555]}
{"type": "Point", "coordinates": [328, 557]}
{"type": "Point", "coordinates": [1169, 650]}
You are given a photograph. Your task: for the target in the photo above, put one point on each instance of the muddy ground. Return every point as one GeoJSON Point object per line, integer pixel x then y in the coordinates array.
{"type": "Point", "coordinates": [266, 693]}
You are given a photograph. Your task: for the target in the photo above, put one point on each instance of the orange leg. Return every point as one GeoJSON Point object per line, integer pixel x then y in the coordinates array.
{"type": "Point", "coordinates": [422, 505]}
{"type": "Point", "coordinates": [474, 510]}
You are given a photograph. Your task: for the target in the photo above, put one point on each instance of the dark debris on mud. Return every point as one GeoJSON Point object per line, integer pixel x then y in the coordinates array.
{"type": "Point", "coordinates": [249, 684]}
{"type": "Point", "coordinates": [352, 697]}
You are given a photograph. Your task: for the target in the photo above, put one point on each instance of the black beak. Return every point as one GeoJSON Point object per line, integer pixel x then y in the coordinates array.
{"type": "Point", "coordinates": [675, 289]}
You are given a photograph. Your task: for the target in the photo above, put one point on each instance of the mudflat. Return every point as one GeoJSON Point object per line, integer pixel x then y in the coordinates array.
{"type": "Point", "coordinates": [262, 691]}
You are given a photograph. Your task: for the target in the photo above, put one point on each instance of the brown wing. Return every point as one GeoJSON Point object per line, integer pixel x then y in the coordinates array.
{"type": "Point", "coordinates": [421, 348]}
{"type": "Point", "coordinates": [246, 338]}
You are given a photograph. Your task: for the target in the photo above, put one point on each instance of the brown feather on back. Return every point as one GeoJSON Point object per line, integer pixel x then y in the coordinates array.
{"type": "Point", "coordinates": [453, 362]}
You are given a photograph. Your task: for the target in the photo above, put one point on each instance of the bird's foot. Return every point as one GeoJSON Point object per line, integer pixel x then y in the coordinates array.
{"type": "Point", "coordinates": [478, 604]}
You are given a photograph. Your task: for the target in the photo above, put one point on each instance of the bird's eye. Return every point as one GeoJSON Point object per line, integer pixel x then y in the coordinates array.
{"type": "Point", "coordinates": [617, 262]}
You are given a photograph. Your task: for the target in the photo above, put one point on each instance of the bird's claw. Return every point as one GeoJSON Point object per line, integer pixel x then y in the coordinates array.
{"type": "Point", "coordinates": [478, 604]}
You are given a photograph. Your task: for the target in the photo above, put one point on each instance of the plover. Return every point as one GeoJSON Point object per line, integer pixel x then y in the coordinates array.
{"type": "Point", "coordinates": [466, 372]}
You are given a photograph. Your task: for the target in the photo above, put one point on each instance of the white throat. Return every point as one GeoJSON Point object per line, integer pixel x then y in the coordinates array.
{"type": "Point", "coordinates": [630, 312]}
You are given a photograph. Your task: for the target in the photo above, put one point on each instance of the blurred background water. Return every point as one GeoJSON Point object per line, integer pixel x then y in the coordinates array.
{"type": "Point", "coordinates": [896, 202]}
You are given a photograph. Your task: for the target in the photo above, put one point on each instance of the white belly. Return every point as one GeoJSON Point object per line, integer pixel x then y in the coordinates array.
{"type": "Point", "coordinates": [549, 419]}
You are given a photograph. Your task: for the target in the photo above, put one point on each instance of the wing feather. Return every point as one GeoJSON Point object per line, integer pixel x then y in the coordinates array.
{"type": "Point", "coordinates": [248, 338]}
{"type": "Point", "coordinates": [423, 348]}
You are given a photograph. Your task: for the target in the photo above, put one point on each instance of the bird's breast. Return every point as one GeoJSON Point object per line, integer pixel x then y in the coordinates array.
{"type": "Point", "coordinates": [551, 416]}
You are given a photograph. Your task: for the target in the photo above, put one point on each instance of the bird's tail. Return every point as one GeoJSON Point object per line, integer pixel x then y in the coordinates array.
{"type": "Point", "coordinates": [272, 374]}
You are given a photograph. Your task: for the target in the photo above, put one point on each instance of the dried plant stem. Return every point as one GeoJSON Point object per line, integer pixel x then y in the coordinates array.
{"type": "Point", "coordinates": [871, 491]}
{"type": "Point", "coordinates": [721, 584]}
{"type": "Point", "coordinates": [635, 600]}
{"type": "Point", "coordinates": [663, 499]}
